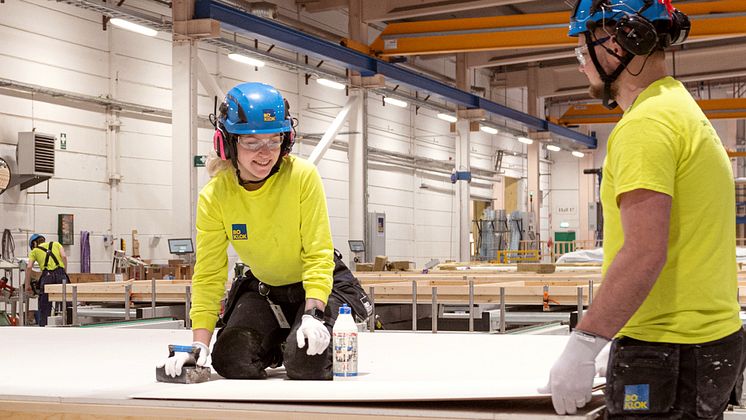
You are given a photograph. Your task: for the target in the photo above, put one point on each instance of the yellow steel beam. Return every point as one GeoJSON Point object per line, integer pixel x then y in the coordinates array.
{"type": "Point", "coordinates": [597, 114]}
{"type": "Point", "coordinates": [531, 31]}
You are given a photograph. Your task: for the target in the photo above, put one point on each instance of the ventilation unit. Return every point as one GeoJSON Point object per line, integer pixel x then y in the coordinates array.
{"type": "Point", "coordinates": [35, 159]}
{"type": "Point", "coordinates": [35, 154]}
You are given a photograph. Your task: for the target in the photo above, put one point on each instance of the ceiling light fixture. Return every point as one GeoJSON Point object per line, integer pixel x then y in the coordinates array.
{"type": "Point", "coordinates": [488, 129]}
{"type": "Point", "coordinates": [395, 102]}
{"type": "Point", "coordinates": [125, 24]}
{"type": "Point", "coordinates": [525, 140]}
{"type": "Point", "coordinates": [553, 148]}
{"type": "Point", "coordinates": [330, 84]}
{"type": "Point", "coordinates": [578, 154]}
{"type": "Point", "coordinates": [447, 117]}
{"type": "Point", "coordinates": [246, 60]}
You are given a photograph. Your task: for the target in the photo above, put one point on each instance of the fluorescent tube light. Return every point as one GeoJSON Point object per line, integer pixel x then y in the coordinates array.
{"type": "Point", "coordinates": [246, 60]}
{"type": "Point", "coordinates": [395, 102]}
{"type": "Point", "coordinates": [447, 117]}
{"type": "Point", "coordinates": [525, 140]}
{"type": "Point", "coordinates": [553, 148]}
{"type": "Point", "coordinates": [125, 24]}
{"type": "Point", "coordinates": [578, 154]}
{"type": "Point", "coordinates": [487, 129]}
{"type": "Point", "coordinates": [330, 83]}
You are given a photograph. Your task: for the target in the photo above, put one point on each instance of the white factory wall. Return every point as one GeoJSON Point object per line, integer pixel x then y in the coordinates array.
{"type": "Point", "coordinates": [54, 45]}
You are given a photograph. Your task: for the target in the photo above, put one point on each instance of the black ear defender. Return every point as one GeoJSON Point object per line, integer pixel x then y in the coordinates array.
{"type": "Point", "coordinates": [680, 28]}
{"type": "Point", "coordinates": [289, 137]}
{"type": "Point", "coordinates": [221, 138]}
{"type": "Point", "coordinates": [636, 35]}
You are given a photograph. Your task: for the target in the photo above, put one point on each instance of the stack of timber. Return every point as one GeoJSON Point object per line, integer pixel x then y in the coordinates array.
{"type": "Point", "coordinates": [169, 291]}
{"type": "Point", "coordinates": [523, 288]}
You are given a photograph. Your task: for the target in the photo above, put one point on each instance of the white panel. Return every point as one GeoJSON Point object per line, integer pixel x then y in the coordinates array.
{"type": "Point", "coordinates": [140, 196]}
{"type": "Point", "coordinates": [146, 146]}
{"type": "Point", "coordinates": [26, 71]}
{"type": "Point", "coordinates": [137, 71]}
{"type": "Point", "coordinates": [77, 166]}
{"type": "Point", "coordinates": [441, 218]}
{"type": "Point", "coordinates": [335, 189]}
{"type": "Point", "coordinates": [337, 207]}
{"type": "Point", "coordinates": [55, 20]}
{"type": "Point", "coordinates": [144, 95]}
{"type": "Point", "coordinates": [147, 221]}
{"type": "Point", "coordinates": [146, 171]}
{"type": "Point", "coordinates": [126, 43]}
{"type": "Point", "coordinates": [131, 125]}
{"type": "Point", "coordinates": [52, 52]}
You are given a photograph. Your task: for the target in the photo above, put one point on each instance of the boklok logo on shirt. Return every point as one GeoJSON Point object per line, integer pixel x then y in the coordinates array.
{"type": "Point", "coordinates": [239, 232]}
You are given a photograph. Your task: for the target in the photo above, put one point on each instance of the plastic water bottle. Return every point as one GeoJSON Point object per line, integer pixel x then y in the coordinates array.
{"type": "Point", "coordinates": [345, 344]}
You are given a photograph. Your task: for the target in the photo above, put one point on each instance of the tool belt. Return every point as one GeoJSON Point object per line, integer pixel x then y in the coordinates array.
{"type": "Point", "coordinates": [345, 289]}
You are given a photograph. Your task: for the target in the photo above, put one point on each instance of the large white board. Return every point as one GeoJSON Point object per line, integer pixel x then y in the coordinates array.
{"type": "Point", "coordinates": [119, 363]}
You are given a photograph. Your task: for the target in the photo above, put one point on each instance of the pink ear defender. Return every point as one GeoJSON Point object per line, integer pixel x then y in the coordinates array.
{"type": "Point", "coordinates": [219, 144]}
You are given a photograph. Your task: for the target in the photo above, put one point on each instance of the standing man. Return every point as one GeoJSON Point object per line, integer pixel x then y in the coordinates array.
{"type": "Point", "coordinates": [52, 261]}
{"type": "Point", "coordinates": [668, 298]}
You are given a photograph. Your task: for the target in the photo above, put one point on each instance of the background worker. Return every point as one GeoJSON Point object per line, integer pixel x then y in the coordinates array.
{"type": "Point", "coordinates": [668, 298]}
{"type": "Point", "coordinates": [52, 261]}
{"type": "Point", "coordinates": [271, 207]}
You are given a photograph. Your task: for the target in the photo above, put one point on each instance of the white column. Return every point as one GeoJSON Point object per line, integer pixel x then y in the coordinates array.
{"type": "Point", "coordinates": [184, 137]}
{"type": "Point", "coordinates": [356, 168]}
{"type": "Point", "coordinates": [533, 201]}
{"type": "Point", "coordinates": [356, 151]}
{"type": "Point", "coordinates": [462, 189]}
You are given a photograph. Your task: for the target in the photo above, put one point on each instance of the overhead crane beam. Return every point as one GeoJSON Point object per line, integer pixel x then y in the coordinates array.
{"type": "Point", "coordinates": [237, 20]}
{"type": "Point", "coordinates": [715, 19]}
{"type": "Point", "coordinates": [596, 114]}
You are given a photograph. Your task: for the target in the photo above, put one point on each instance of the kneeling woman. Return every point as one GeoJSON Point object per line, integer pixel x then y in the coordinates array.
{"type": "Point", "coordinates": [271, 208]}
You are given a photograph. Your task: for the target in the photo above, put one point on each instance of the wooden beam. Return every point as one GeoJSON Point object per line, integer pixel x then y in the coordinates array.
{"type": "Point", "coordinates": [533, 31]}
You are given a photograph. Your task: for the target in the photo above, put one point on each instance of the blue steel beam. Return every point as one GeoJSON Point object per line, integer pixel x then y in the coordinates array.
{"type": "Point", "coordinates": [237, 20]}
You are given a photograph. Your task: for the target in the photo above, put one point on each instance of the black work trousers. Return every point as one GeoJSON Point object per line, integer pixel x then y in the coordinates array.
{"type": "Point", "coordinates": [672, 381]}
{"type": "Point", "coordinates": [56, 276]}
{"type": "Point", "coordinates": [253, 338]}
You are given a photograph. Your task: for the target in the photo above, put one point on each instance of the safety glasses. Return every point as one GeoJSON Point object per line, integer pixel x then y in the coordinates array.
{"type": "Point", "coordinates": [582, 50]}
{"type": "Point", "coordinates": [254, 144]}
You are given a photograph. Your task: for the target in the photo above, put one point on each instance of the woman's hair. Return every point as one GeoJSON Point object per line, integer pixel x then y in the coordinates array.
{"type": "Point", "coordinates": [215, 165]}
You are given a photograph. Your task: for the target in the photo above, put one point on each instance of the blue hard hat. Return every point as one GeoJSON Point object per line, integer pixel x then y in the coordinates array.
{"type": "Point", "coordinates": [32, 239]}
{"type": "Point", "coordinates": [613, 10]}
{"type": "Point", "coordinates": [254, 108]}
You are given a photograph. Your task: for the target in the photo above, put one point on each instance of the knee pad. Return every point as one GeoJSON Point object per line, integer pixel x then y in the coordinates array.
{"type": "Point", "coordinates": [236, 354]}
{"type": "Point", "coordinates": [299, 365]}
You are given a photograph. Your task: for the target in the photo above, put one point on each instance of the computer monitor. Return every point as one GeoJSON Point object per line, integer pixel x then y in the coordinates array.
{"type": "Point", "coordinates": [357, 245]}
{"type": "Point", "coordinates": [181, 246]}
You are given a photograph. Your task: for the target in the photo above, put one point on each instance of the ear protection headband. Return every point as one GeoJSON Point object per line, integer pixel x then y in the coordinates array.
{"type": "Point", "coordinates": [639, 36]}
{"type": "Point", "coordinates": [220, 138]}
{"type": "Point", "coordinates": [288, 137]}
{"type": "Point", "coordinates": [224, 144]}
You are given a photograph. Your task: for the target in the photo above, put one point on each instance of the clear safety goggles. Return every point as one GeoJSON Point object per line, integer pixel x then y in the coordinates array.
{"type": "Point", "coordinates": [254, 144]}
{"type": "Point", "coordinates": [582, 51]}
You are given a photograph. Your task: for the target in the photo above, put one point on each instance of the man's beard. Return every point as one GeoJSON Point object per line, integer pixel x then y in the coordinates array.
{"type": "Point", "coordinates": [597, 90]}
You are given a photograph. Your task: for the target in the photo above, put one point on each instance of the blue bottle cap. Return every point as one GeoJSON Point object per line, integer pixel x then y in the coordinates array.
{"type": "Point", "coordinates": [345, 310]}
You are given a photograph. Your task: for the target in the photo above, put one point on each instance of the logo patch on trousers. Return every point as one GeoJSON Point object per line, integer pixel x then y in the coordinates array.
{"type": "Point", "coordinates": [637, 397]}
{"type": "Point", "coordinates": [239, 232]}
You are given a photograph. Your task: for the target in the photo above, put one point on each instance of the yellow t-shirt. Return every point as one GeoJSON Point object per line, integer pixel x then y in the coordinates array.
{"type": "Point", "coordinates": [280, 230]}
{"type": "Point", "coordinates": [665, 143]}
{"type": "Point", "coordinates": [39, 254]}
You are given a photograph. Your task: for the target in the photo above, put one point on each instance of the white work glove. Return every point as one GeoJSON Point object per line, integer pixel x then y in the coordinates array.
{"type": "Point", "coordinates": [316, 332]}
{"type": "Point", "coordinates": [571, 378]}
{"type": "Point", "coordinates": [174, 364]}
{"type": "Point", "coordinates": [602, 361]}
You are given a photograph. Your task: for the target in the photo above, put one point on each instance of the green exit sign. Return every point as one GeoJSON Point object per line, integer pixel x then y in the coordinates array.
{"type": "Point", "coordinates": [200, 161]}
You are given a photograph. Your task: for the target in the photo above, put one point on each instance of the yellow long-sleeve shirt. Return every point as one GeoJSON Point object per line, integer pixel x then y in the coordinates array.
{"type": "Point", "coordinates": [280, 230]}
